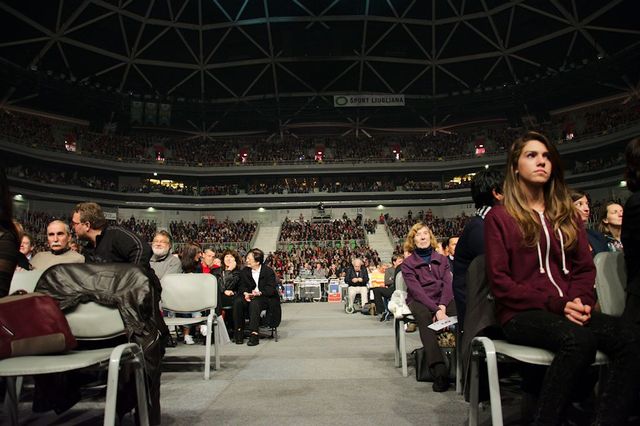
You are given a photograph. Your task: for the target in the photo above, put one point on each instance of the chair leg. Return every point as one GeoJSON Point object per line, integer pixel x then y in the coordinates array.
{"type": "Point", "coordinates": [456, 353]}
{"type": "Point", "coordinates": [494, 384]}
{"type": "Point", "coordinates": [396, 342]}
{"type": "Point", "coordinates": [207, 348]}
{"type": "Point", "coordinates": [112, 383]}
{"type": "Point", "coordinates": [217, 344]}
{"type": "Point", "coordinates": [11, 399]}
{"type": "Point", "coordinates": [141, 390]}
{"type": "Point", "coordinates": [403, 350]}
{"type": "Point", "coordinates": [473, 388]}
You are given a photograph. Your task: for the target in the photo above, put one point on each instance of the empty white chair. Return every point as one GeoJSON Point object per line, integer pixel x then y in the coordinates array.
{"type": "Point", "coordinates": [25, 280]}
{"type": "Point", "coordinates": [188, 293]}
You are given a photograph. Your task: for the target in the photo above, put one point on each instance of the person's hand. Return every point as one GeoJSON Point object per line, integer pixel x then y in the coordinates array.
{"type": "Point", "coordinates": [440, 315]}
{"type": "Point", "coordinates": [247, 296]}
{"type": "Point", "coordinates": [256, 292]}
{"type": "Point", "coordinates": [577, 312]}
{"type": "Point", "coordinates": [228, 292]}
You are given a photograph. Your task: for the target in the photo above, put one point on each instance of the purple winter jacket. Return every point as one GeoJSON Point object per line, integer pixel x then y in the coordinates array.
{"type": "Point", "coordinates": [429, 284]}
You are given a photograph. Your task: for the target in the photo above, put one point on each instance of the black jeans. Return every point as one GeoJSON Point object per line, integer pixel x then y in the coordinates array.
{"type": "Point", "coordinates": [424, 318]}
{"type": "Point", "coordinates": [256, 305]}
{"type": "Point", "coordinates": [378, 294]}
{"type": "Point", "coordinates": [575, 348]}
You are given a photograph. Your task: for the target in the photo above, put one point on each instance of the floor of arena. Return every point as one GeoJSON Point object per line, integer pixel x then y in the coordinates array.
{"type": "Point", "coordinates": [328, 368]}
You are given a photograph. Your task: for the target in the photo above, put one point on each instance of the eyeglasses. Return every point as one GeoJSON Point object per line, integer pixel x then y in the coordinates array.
{"type": "Point", "coordinates": [74, 224]}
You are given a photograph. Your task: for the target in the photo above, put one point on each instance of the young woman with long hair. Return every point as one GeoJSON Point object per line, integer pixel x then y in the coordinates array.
{"type": "Point", "coordinates": [542, 277]}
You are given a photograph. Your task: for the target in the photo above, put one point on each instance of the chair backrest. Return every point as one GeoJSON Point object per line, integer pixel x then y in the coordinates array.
{"type": "Point", "coordinates": [400, 284]}
{"type": "Point", "coordinates": [25, 280]}
{"type": "Point", "coordinates": [91, 321]}
{"type": "Point", "coordinates": [189, 292]}
{"type": "Point", "coordinates": [611, 282]}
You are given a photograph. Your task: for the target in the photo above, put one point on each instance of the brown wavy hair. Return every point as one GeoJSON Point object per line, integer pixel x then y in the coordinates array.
{"type": "Point", "coordinates": [410, 244]}
{"type": "Point", "coordinates": [559, 208]}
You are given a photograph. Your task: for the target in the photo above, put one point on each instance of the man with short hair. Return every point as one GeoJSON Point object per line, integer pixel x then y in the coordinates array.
{"type": "Point", "coordinates": [108, 243]}
{"type": "Point", "coordinates": [209, 262]}
{"type": "Point", "coordinates": [382, 293]}
{"type": "Point", "coordinates": [449, 246]}
{"type": "Point", "coordinates": [26, 246]}
{"type": "Point", "coordinates": [58, 237]}
{"type": "Point", "coordinates": [486, 191]}
{"type": "Point", "coordinates": [163, 261]}
{"type": "Point", "coordinates": [257, 284]}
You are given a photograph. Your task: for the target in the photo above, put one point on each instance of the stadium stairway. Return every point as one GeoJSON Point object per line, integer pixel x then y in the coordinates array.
{"type": "Point", "coordinates": [380, 242]}
{"type": "Point", "coordinates": [267, 238]}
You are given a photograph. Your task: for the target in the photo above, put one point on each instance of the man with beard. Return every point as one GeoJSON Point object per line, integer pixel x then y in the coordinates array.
{"type": "Point", "coordinates": [162, 261]}
{"type": "Point", "coordinates": [58, 237]}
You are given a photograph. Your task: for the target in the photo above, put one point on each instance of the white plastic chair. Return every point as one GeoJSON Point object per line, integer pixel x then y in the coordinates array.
{"type": "Point", "coordinates": [400, 333]}
{"type": "Point", "coordinates": [188, 293]}
{"type": "Point", "coordinates": [610, 278]}
{"type": "Point", "coordinates": [87, 321]}
{"type": "Point", "coordinates": [25, 280]}
{"type": "Point", "coordinates": [611, 282]}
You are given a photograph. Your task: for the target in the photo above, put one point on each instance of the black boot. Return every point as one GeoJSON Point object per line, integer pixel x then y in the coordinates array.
{"type": "Point", "coordinates": [239, 336]}
{"type": "Point", "coordinates": [253, 340]}
{"type": "Point", "coordinates": [440, 377]}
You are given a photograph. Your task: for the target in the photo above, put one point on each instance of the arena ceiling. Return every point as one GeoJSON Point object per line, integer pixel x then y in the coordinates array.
{"type": "Point", "coordinates": [272, 65]}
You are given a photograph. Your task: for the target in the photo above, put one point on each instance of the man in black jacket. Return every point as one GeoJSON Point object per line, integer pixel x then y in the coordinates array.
{"type": "Point", "coordinates": [108, 244]}
{"type": "Point", "coordinates": [257, 285]}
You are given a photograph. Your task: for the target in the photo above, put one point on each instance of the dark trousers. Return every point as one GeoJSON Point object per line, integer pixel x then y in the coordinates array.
{"type": "Point", "coordinates": [378, 294]}
{"type": "Point", "coordinates": [575, 348]}
{"type": "Point", "coordinates": [240, 306]}
{"type": "Point", "coordinates": [424, 318]}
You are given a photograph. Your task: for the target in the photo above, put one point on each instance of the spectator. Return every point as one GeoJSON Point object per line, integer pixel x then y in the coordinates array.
{"type": "Point", "coordinates": [429, 295]}
{"type": "Point", "coordinates": [611, 225]}
{"type": "Point", "coordinates": [58, 237]}
{"type": "Point", "coordinates": [597, 240]}
{"type": "Point", "coordinates": [163, 261]}
{"type": "Point", "coordinates": [8, 237]}
{"type": "Point", "coordinates": [548, 304]}
{"type": "Point", "coordinates": [381, 295]}
{"type": "Point", "coordinates": [257, 284]}
{"type": "Point", "coordinates": [228, 282]}
{"type": "Point", "coordinates": [631, 232]}
{"type": "Point", "coordinates": [26, 246]}
{"type": "Point", "coordinates": [190, 260]}
{"type": "Point", "coordinates": [108, 243]}
{"type": "Point", "coordinates": [486, 192]}
{"type": "Point", "coordinates": [357, 279]}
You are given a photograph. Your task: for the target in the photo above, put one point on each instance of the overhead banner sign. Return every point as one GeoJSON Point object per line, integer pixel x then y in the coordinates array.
{"type": "Point", "coordinates": [342, 101]}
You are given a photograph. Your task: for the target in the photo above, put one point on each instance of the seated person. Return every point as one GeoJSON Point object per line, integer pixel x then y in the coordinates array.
{"type": "Point", "coordinates": [631, 232]}
{"type": "Point", "coordinates": [58, 238]}
{"type": "Point", "coordinates": [611, 225]}
{"type": "Point", "coordinates": [429, 295]}
{"type": "Point", "coordinates": [357, 279]}
{"type": "Point", "coordinates": [257, 284]}
{"type": "Point", "coordinates": [486, 192]}
{"type": "Point", "coordinates": [597, 240]}
{"type": "Point", "coordinates": [190, 257]}
{"type": "Point", "coordinates": [162, 261]}
{"type": "Point", "coordinates": [229, 280]}
{"type": "Point", "coordinates": [382, 294]}
{"type": "Point", "coordinates": [549, 303]}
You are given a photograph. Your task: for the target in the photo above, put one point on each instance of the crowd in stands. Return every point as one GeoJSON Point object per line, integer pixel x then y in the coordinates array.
{"type": "Point", "coordinates": [189, 151]}
{"type": "Point", "coordinates": [336, 230]}
{"type": "Point", "coordinates": [441, 227]}
{"type": "Point", "coordinates": [290, 264]}
{"type": "Point", "coordinates": [210, 231]}
{"type": "Point", "coordinates": [599, 163]}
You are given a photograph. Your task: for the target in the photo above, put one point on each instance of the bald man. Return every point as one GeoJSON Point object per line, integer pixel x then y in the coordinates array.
{"type": "Point", "coordinates": [59, 239]}
{"type": "Point", "coordinates": [357, 279]}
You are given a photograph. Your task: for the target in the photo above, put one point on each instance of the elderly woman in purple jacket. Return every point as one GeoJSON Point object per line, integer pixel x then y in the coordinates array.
{"type": "Point", "coordinates": [429, 295]}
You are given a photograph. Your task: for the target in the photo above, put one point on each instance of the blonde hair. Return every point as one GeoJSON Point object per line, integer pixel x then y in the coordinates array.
{"type": "Point", "coordinates": [410, 244]}
{"type": "Point", "coordinates": [559, 208]}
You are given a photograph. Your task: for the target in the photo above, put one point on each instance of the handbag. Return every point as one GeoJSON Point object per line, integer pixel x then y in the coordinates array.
{"type": "Point", "coordinates": [423, 372]}
{"type": "Point", "coordinates": [33, 324]}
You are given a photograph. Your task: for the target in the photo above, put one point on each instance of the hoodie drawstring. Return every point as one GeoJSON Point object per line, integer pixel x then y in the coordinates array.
{"type": "Point", "coordinates": [540, 259]}
{"type": "Point", "coordinates": [564, 263]}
